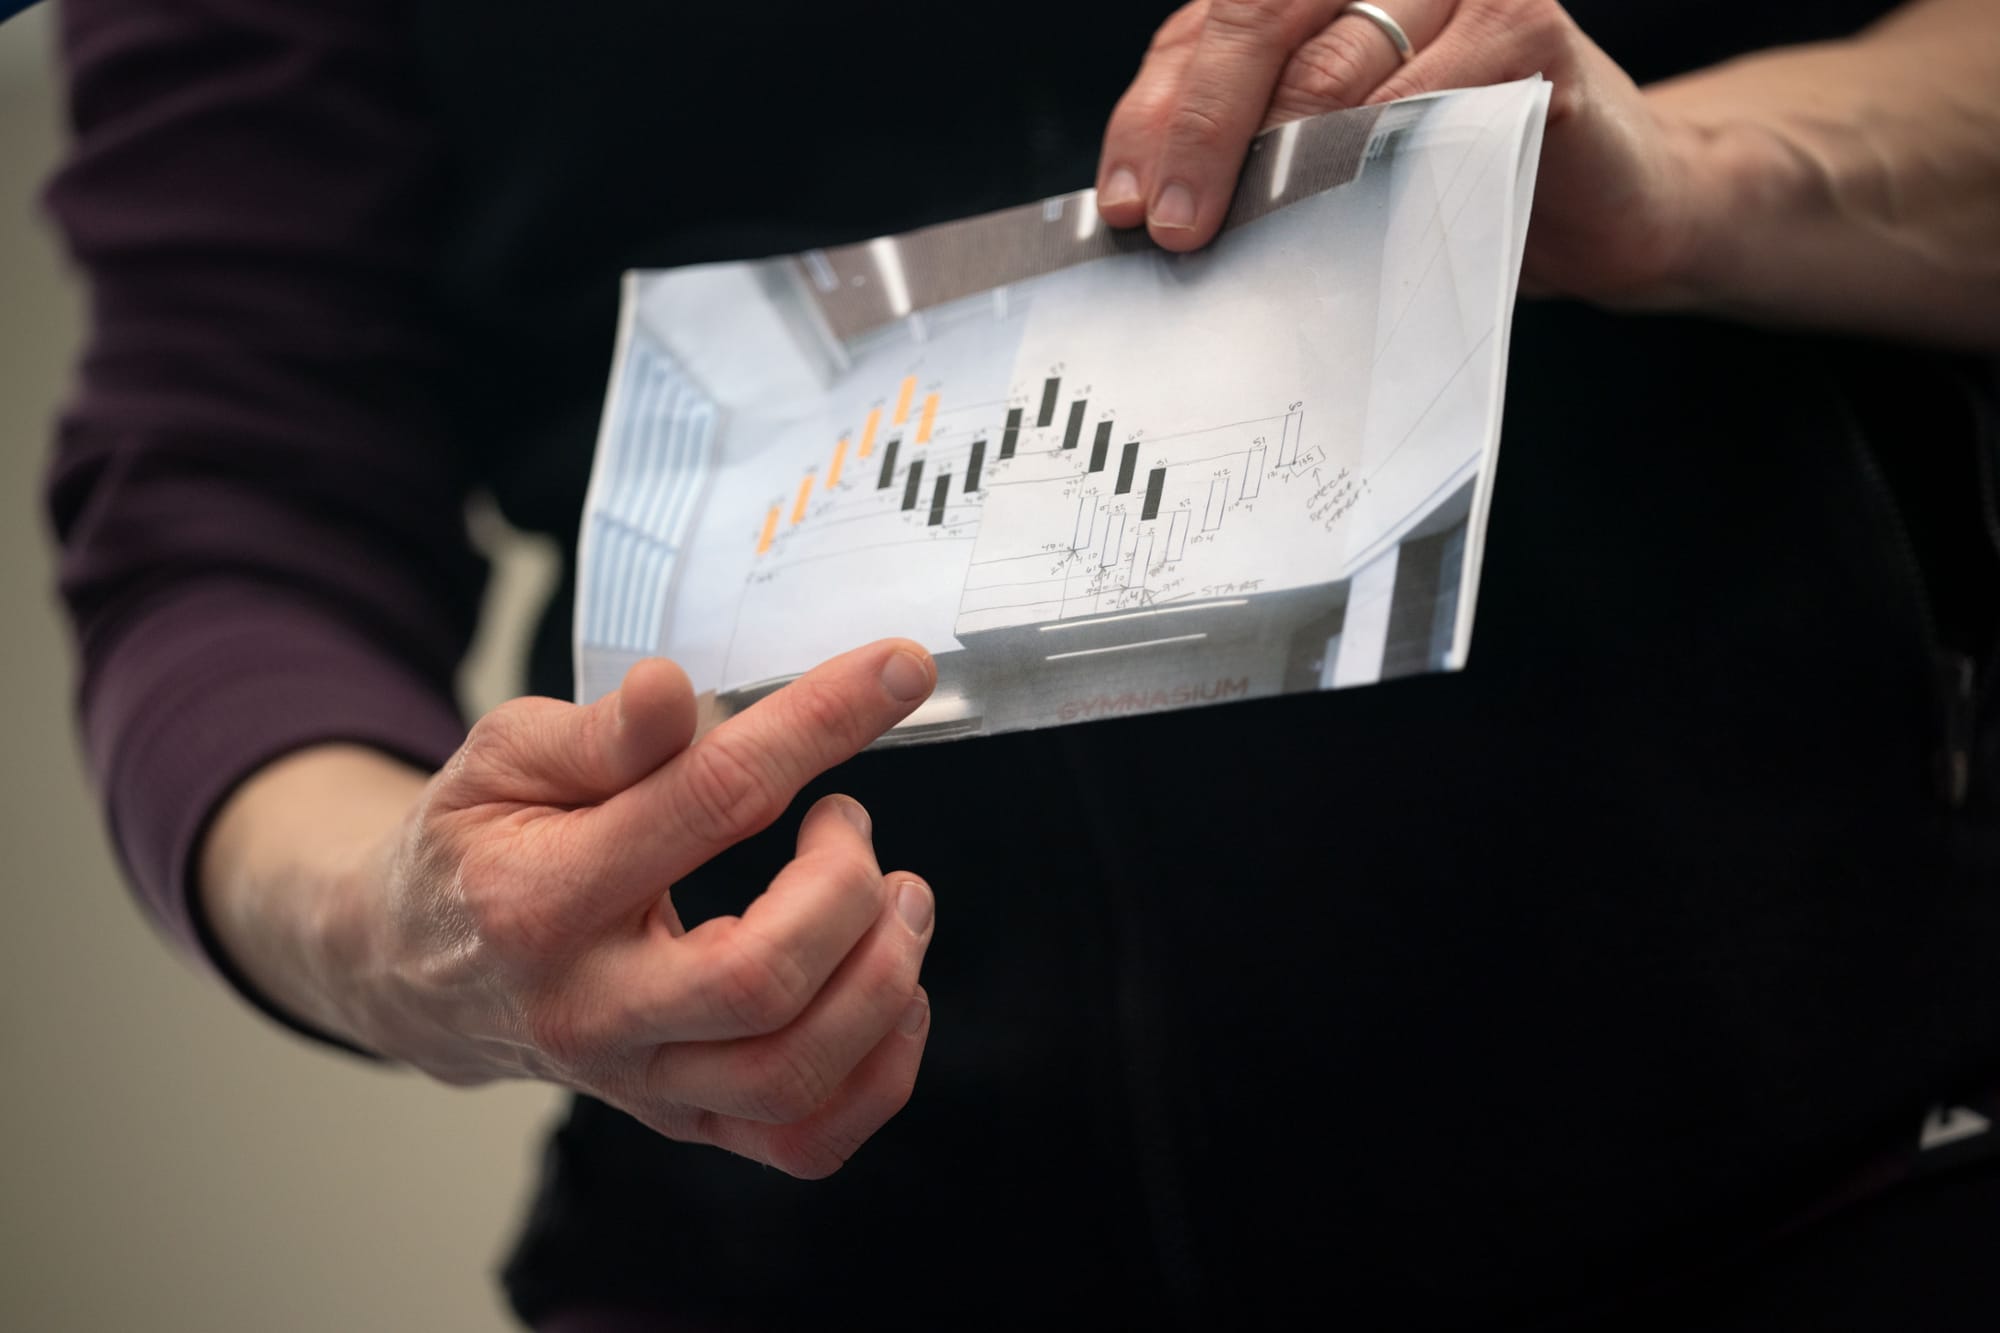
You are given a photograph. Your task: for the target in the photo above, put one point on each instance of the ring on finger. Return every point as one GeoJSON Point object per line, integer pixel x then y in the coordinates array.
{"type": "Point", "coordinates": [1386, 22]}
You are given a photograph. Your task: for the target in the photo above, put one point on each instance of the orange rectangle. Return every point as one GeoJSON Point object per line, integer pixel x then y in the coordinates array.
{"type": "Point", "coordinates": [770, 531]}
{"type": "Point", "coordinates": [903, 397]}
{"type": "Point", "coordinates": [929, 417]}
{"type": "Point", "coordinates": [805, 494]}
{"type": "Point", "coordinates": [839, 457]}
{"type": "Point", "coordinates": [868, 432]}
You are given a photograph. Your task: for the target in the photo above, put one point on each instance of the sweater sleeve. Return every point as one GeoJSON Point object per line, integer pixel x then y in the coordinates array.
{"type": "Point", "coordinates": [259, 503]}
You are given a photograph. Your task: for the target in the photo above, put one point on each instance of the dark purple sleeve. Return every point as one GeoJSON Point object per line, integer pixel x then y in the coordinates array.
{"type": "Point", "coordinates": [260, 508]}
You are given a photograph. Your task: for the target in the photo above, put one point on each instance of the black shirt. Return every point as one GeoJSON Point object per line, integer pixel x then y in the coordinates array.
{"type": "Point", "coordinates": [1505, 997]}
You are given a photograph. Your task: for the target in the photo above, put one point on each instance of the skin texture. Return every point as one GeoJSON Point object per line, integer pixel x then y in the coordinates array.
{"type": "Point", "coordinates": [512, 915]}
{"type": "Point", "coordinates": [1851, 185]}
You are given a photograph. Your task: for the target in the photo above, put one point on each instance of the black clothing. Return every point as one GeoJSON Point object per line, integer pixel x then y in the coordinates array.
{"type": "Point", "coordinates": [1511, 996]}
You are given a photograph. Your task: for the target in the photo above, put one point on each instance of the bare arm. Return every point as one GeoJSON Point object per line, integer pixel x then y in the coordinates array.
{"type": "Point", "coordinates": [1851, 185]}
{"type": "Point", "coordinates": [258, 491]}
{"type": "Point", "coordinates": [512, 916]}
{"type": "Point", "coordinates": [1855, 184]}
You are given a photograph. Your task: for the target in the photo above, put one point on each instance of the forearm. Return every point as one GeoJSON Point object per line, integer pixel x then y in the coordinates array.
{"type": "Point", "coordinates": [1851, 185]}
{"type": "Point", "coordinates": [255, 485]}
{"type": "Point", "coordinates": [510, 916]}
{"type": "Point", "coordinates": [286, 870]}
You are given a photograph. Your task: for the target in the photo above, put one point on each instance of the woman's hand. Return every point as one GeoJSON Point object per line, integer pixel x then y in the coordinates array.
{"type": "Point", "coordinates": [517, 920]}
{"type": "Point", "coordinates": [1612, 207]}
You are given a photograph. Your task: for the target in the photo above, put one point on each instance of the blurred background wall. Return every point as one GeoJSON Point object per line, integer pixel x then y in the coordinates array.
{"type": "Point", "coordinates": [168, 1161]}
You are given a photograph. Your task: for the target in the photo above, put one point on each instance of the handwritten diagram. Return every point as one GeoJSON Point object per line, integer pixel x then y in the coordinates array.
{"type": "Point", "coordinates": [1077, 468]}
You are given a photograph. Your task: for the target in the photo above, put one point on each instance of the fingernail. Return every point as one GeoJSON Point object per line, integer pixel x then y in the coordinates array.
{"type": "Point", "coordinates": [851, 810]}
{"type": "Point", "coordinates": [906, 678]}
{"type": "Point", "coordinates": [914, 904]}
{"type": "Point", "coordinates": [912, 1021]}
{"type": "Point", "coordinates": [1121, 188]}
{"type": "Point", "coordinates": [1174, 208]}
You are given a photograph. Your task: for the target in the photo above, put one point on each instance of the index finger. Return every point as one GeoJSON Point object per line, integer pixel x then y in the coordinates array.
{"type": "Point", "coordinates": [740, 777]}
{"type": "Point", "coordinates": [1224, 90]}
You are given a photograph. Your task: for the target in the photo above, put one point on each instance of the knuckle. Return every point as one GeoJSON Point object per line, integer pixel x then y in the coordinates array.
{"type": "Point", "coordinates": [667, 1117]}
{"type": "Point", "coordinates": [436, 845]}
{"type": "Point", "coordinates": [891, 992]}
{"type": "Point", "coordinates": [729, 797]}
{"type": "Point", "coordinates": [887, 976]}
{"type": "Point", "coordinates": [1251, 17]}
{"type": "Point", "coordinates": [1515, 13]}
{"type": "Point", "coordinates": [820, 709]}
{"type": "Point", "coordinates": [1142, 105]}
{"type": "Point", "coordinates": [515, 922]}
{"type": "Point", "coordinates": [1331, 70]}
{"type": "Point", "coordinates": [478, 756]}
{"type": "Point", "coordinates": [849, 869]}
{"type": "Point", "coordinates": [495, 741]}
{"type": "Point", "coordinates": [1200, 124]}
{"type": "Point", "coordinates": [493, 726]}
{"type": "Point", "coordinates": [1181, 27]}
{"type": "Point", "coordinates": [819, 1147]}
{"type": "Point", "coordinates": [1544, 28]}
{"type": "Point", "coordinates": [784, 1083]}
{"type": "Point", "coordinates": [588, 1030]}
{"type": "Point", "coordinates": [1396, 87]}
{"type": "Point", "coordinates": [811, 1156]}
{"type": "Point", "coordinates": [756, 985]}
{"type": "Point", "coordinates": [1537, 24]}
{"type": "Point", "coordinates": [897, 1090]}
{"type": "Point", "coordinates": [521, 927]}
{"type": "Point", "coordinates": [861, 877]}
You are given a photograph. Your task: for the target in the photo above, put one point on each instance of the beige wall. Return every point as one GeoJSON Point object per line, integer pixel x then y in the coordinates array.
{"type": "Point", "coordinates": [168, 1161]}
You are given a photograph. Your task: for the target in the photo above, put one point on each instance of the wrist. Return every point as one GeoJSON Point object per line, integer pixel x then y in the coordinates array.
{"type": "Point", "coordinates": [292, 878]}
{"type": "Point", "coordinates": [1738, 181]}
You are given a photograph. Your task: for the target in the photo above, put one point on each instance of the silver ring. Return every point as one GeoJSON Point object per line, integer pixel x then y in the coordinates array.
{"type": "Point", "coordinates": [1390, 28]}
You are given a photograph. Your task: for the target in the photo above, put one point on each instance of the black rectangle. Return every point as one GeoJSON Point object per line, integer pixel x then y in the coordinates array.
{"type": "Point", "coordinates": [972, 466]}
{"type": "Point", "coordinates": [1013, 433]}
{"type": "Point", "coordinates": [1156, 481]}
{"type": "Point", "coordinates": [1126, 462]}
{"type": "Point", "coordinates": [938, 494]}
{"type": "Point", "coordinates": [1074, 431]}
{"type": "Point", "coordinates": [910, 487]}
{"type": "Point", "coordinates": [1100, 446]}
{"type": "Point", "coordinates": [1050, 387]}
{"type": "Point", "coordinates": [888, 465]}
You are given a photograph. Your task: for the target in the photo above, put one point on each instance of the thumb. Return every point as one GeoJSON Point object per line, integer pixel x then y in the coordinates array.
{"type": "Point", "coordinates": [544, 751]}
